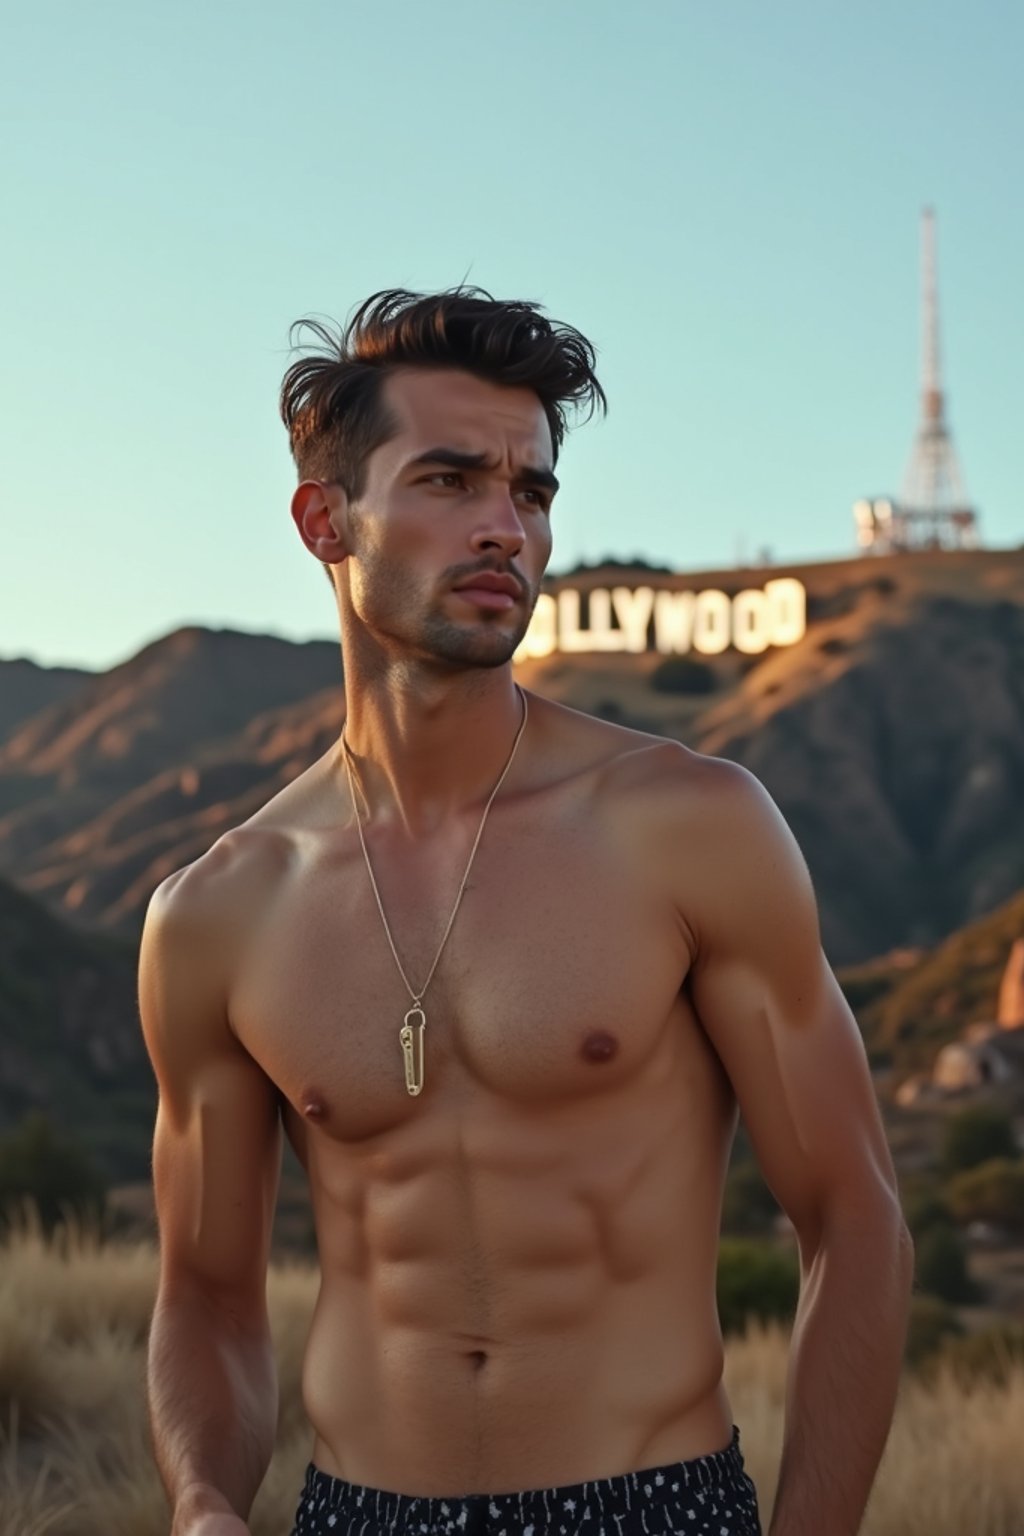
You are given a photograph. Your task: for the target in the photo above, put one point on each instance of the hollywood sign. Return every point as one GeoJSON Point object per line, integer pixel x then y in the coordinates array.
{"type": "Point", "coordinates": [635, 619]}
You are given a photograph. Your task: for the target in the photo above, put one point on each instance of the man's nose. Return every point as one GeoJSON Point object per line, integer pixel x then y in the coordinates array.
{"type": "Point", "coordinates": [499, 525]}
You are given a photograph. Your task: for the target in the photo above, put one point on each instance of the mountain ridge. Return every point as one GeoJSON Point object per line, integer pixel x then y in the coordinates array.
{"type": "Point", "coordinates": [891, 736]}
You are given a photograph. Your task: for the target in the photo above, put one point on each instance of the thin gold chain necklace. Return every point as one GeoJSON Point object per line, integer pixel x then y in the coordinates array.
{"type": "Point", "coordinates": [415, 1022]}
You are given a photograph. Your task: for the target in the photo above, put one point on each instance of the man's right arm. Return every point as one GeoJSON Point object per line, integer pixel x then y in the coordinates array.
{"type": "Point", "coordinates": [216, 1161]}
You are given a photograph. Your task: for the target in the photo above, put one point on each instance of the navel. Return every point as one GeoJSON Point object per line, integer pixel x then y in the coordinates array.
{"type": "Point", "coordinates": [599, 1046]}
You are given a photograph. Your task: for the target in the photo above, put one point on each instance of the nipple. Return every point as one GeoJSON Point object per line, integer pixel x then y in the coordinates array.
{"type": "Point", "coordinates": [313, 1107]}
{"type": "Point", "coordinates": [599, 1046]}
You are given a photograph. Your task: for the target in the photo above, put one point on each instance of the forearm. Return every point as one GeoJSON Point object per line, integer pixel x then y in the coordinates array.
{"type": "Point", "coordinates": [844, 1368]}
{"type": "Point", "coordinates": [213, 1406]}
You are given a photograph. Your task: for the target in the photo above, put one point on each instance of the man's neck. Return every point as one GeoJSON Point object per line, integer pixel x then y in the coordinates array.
{"type": "Point", "coordinates": [429, 746]}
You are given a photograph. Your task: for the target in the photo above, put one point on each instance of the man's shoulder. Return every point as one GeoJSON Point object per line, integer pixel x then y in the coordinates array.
{"type": "Point", "coordinates": [226, 883]}
{"type": "Point", "coordinates": [219, 902]}
{"type": "Point", "coordinates": [248, 860]}
{"type": "Point", "coordinates": [200, 924]}
{"type": "Point", "coordinates": [672, 777]}
{"type": "Point", "coordinates": [668, 777]}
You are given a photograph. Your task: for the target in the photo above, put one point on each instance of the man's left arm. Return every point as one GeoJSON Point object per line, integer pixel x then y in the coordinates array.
{"type": "Point", "coordinates": [774, 1012]}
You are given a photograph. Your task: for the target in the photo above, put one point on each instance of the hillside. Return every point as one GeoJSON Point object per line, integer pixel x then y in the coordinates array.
{"type": "Point", "coordinates": [70, 1043]}
{"type": "Point", "coordinates": [26, 689]}
{"type": "Point", "coordinates": [160, 708]}
{"type": "Point", "coordinates": [104, 793]}
{"type": "Point", "coordinates": [909, 1007]}
{"type": "Point", "coordinates": [892, 737]}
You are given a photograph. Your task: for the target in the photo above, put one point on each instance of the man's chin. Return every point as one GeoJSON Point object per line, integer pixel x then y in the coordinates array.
{"type": "Point", "coordinates": [497, 653]}
{"type": "Point", "coordinates": [476, 645]}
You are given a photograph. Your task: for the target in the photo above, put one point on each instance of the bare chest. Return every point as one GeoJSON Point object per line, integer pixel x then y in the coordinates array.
{"type": "Point", "coordinates": [558, 981]}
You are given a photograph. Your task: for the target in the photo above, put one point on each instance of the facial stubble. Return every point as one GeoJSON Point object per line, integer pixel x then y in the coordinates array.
{"type": "Point", "coordinates": [393, 605]}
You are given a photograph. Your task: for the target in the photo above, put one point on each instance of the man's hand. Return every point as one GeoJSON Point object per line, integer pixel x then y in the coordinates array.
{"type": "Point", "coordinates": [202, 1511]}
{"type": "Point", "coordinates": [214, 1525]}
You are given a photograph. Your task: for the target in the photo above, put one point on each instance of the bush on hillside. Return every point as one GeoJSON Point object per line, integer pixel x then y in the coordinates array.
{"type": "Point", "coordinates": [977, 1135]}
{"type": "Point", "coordinates": [993, 1191]}
{"type": "Point", "coordinates": [749, 1208]}
{"type": "Point", "coordinates": [49, 1171]}
{"type": "Point", "coordinates": [683, 674]}
{"type": "Point", "coordinates": [941, 1266]}
{"type": "Point", "coordinates": [924, 1207]}
{"type": "Point", "coordinates": [756, 1280]}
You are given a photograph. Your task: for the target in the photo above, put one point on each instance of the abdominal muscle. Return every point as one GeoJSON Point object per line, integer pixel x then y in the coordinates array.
{"type": "Point", "coordinates": [508, 1307]}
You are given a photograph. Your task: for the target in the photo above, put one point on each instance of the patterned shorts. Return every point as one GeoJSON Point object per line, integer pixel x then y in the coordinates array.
{"type": "Point", "coordinates": [708, 1496]}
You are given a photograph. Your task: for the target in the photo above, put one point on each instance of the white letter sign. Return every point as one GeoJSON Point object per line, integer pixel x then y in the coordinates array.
{"type": "Point", "coordinates": [709, 622]}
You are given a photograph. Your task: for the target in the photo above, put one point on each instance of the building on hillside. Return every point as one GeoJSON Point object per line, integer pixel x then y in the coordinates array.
{"type": "Point", "coordinates": [978, 1059]}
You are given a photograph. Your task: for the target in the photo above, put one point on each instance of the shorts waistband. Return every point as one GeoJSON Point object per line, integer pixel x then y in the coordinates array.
{"type": "Point", "coordinates": [324, 1496]}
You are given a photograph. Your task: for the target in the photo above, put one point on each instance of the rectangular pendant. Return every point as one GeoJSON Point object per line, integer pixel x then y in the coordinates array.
{"type": "Point", "coordinates": [411, 1037]}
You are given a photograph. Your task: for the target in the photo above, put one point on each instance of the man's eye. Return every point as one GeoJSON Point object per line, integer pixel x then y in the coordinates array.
{"type": "Point", "coordinates": [538, 498]}
{"type": "Point", "coordinates": [446, 477]}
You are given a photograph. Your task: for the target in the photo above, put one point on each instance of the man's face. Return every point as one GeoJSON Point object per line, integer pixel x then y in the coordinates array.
{"type": "Point", "coordinates": [459, 494]}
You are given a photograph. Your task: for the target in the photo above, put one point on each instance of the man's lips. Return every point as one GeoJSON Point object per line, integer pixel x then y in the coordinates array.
{"type": "Point", "coordinates": [488, 589]}
{"type": "Point", "coordinates": [490, 581]}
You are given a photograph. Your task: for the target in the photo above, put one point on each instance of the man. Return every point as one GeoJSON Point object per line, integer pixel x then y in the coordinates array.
{"type": "Point", "coordinates": [504, 974]}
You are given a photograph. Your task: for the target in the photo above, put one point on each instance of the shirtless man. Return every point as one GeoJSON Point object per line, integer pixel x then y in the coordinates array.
{"type": "Point", "coordinates": [518, 1209]}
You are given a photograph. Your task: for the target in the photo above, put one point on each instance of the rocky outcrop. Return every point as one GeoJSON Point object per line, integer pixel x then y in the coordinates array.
{"type": "Point", "coordinates": [1010, 1008]}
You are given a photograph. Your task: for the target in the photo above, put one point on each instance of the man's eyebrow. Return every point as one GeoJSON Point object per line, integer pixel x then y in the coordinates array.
{"type": "Point", "coordinates": [532, 475]}
{"type": "Point", "coordinates": [454, 459]}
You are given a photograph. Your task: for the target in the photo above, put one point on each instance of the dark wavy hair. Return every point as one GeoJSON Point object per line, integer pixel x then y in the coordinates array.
{"type": "Point", "coordinates": [331, 400]}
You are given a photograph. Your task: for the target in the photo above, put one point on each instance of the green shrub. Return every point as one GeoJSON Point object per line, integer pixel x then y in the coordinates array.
{"type": "Point", "coordinates": [976, 1136]}
{"type": "Point", "coordinates": [931, 1323]}
{"type": "Point", "coordinates": [924, 1207]}
{"type": "Point", "coordinates": [941, 1265]}
{"type": "Point", "coordinates": [52, 1172]}
{"type": "Point", "coordinates": [993, 1191]}
{"type": "Point", "coordinates": [683, 674]}
{"type": "Point", "coordinates": [749, 1207]}
{"type": "Point", "coordinates": [755, 1280]}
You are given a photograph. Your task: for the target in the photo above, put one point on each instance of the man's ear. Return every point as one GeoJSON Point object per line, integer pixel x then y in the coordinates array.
{"type": "Point", "coordinates": [320, 513]}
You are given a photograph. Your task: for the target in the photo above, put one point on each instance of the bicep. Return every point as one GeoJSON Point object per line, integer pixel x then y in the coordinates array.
{"type": "Point", "coordinates": [774, 1012]}
{"type": "Point", "coordinates": [217, 1143]}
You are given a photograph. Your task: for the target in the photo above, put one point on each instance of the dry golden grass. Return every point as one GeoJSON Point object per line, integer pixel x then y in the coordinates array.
{"type": "Point", "coordinates": [74, 1450]}
{"type": "Point", "coordinates": [954, 1464]}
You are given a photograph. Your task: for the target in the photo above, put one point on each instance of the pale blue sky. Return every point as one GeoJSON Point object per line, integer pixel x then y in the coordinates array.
{"type": "Point", "coordinates": [724, 197]}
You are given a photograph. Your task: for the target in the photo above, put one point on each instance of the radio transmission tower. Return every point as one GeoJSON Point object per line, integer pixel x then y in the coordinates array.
{"type": "Point", "coordinates": [933, 511]}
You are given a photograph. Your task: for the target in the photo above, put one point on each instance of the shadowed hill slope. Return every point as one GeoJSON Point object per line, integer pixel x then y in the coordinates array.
{"type": "Point", "coordinates": [105, 792]}
{"type": "Point", "coordinates": [26, 689]}
{"type": "Point", "coordinates": [70, 1042]}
